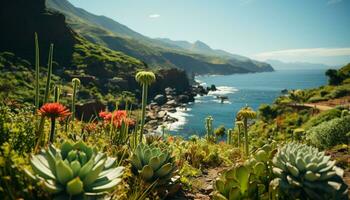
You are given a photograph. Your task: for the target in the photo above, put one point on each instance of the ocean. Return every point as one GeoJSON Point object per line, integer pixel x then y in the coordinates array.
{"type": "Point", "coordinates": [241, 89]}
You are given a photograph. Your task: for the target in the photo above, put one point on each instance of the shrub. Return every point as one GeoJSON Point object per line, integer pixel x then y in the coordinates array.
{"type": "Point", "coordinates": [339, 92]}
{"type": "Point", "coordinates": [220, 131]}
{"type": "Point", "coordinates": [330, 133]}
{"type": "Point", "coordinates": [335, 77]}
{"type": "Point", "coordinates": [305, 173]}
{"type": "Point", "coordinates": [322, 117]}
{"type": "Point", "coordinates": [267, 112]}
{"type": "Point", "coordinates": [17, 128]}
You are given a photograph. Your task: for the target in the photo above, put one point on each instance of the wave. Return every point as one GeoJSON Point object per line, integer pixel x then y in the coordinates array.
{"type": "Point", "coordinates": [200, 82]}
{"type": "Point", "coordinates": [219, 101]}
{"type": "Point", "coordinates": [181, 116]}
{"type": "Point", "coordinates": [223, 90]}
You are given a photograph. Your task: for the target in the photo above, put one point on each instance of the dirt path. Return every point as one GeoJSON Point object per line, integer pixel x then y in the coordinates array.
{"type": "Point", "coordinates": [326, 105]}
{"type": "Point", "coordinates": [202, 186]}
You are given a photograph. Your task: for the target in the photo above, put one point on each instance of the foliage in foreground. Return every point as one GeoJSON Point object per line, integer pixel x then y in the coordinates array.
{"type": "Point", "coordinates": [75, 171]}
{"type": "Point", "coordinates": [305, 173]}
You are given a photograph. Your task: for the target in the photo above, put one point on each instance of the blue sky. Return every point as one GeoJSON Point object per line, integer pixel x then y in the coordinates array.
{"type": "Point", "coordinates": [288, 30]}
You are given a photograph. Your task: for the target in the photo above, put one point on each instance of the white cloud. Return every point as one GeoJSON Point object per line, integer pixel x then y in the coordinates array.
{"type": "Point", "coordinates": [314, 52]}
{"type": "Point", "coordinates": [330, 2]}
{"type": "Point", "coordinates": [329, 56]}
{"type": "Point", "coordinates": [154, 16]}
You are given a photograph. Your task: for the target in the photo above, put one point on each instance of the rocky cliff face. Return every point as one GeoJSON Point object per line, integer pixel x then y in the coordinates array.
{"type": "Point", "coordinates": [20, 19]}
{"type": "Point", "coordinates": [102, 70]}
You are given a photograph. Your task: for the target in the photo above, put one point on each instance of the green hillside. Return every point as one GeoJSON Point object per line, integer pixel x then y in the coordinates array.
{"type": "Point", "coordinates": [104, 73]}
{"type": "Point", "coordinates": [154, 52]}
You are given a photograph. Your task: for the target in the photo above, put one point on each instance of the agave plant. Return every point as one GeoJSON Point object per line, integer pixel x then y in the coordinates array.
{"type": "Point", "coordinates": [153, 163]}
{"type": "Point", "coordinates": [236, 183]}
{"type": "Point", "coordinates": [305, 173]}
{"type": "Point", "coordinates": [75, 171]}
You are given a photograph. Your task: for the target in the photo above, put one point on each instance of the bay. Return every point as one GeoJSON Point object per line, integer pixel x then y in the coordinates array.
{"type": "Point", "coordinates": [241, 89]}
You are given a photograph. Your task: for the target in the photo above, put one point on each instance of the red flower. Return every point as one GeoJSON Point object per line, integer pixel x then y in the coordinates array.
{"type": "Point", "coordinates": [103, 114]}
{"type": "Point", "coordinates": [54, 110]}
{"type": "Point", "coordinates": [118, 117]}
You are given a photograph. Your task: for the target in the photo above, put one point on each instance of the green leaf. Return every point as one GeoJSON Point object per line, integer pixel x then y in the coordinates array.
{"type": "Point", "coordinates": [154, 163]}
{"type": "Point", "coordinates": [259, 168]}
{"type": "Point", "coordinates": [52, 187]}
{"type": "Point", "coordinates": [108, 186]}
{"type": "Point", "coordinates": [147, 172]}
{"type": "Point", "coordinates": [110, 162]}
{"type": "Point", "coordinates": [75, 186]}
{"type": "Point", "coordinates": [64, 172]}
{"type": "Point", "coordinates": [234, 194]}
{"type": "Point", "coordinates": [136, 162]}
{"type": "Point", "coordinates": [40, 169]}
{"type": "Point", "coordinates": [310, 176]}
{"type": "Point", "coordinates": [66, 147]}
{"type": "Point", "coordinates": [86, 168]}
{"type": "Point", "coordinates": [164, 170]}
{"type": "Point", "coordinates": [220, 185]}
{"type": "Point", "coordinates": [242, 175]}
{"type": "Point", "coordinates": [111, 174]}
{"type": "Point", "coordinates": [75, 166]}
{"type": "Point", "coordinates": [93, 174]}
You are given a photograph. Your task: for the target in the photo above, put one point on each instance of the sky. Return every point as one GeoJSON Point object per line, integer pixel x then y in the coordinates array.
{"type": "Point", "coordinates": [316, 31]}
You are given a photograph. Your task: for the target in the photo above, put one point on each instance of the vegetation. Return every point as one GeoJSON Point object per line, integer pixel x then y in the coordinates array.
{"type": "Point", "coordinates": [305, 173]}
{"type": "Point", "coordinates": [110, 156]}
{"type": "Point", "coordinates": [330, 133]}
{"type": "Point", "coordinates": [75, 171]}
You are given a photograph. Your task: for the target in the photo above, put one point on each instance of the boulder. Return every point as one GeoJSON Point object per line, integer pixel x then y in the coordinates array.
{"type": "Point", "coordinates": [183, 98]}
{"type": "Point", "coordinates": [161, 114]}
{"type": "Point", "coordinates": [160, 99]}
{"type": "Point", "coordinates": [89, 110]}
{"type": "Point", "coordinates": [170, 91]}
{"type": "Point", "coordinates": [172, 103]}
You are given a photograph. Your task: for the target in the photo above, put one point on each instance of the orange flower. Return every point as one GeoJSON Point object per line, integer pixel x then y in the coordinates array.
{"type": "Point", "coordinates": [170, 139]}
{"type": "Point", "coordinates": [54, 110]}
{"type": "Point", "coordinates": [118, 117]}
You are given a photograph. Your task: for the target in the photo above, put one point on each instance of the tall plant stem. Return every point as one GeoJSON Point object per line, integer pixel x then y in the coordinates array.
{"type": "Point", "coordinates": [239, 137]}
{"type": "Point", "coordinates": [49, 73]}
{"type": "Point", "coordinates": [37, 73]}
{"type": "Point", "coordinates": [246, 137]}
{"type": "Point", "coordinates": [46, 97]}
{"type": "Point", "coordinates": [144, 104]}
{"type": "Point", "coordinates": [57, 92]}
{"type": "Point", "coordinates": [52, 133]}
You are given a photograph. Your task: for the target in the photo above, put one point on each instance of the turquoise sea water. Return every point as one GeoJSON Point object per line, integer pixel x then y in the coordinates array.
{"type": "Point", "coordinates": [241, 89]}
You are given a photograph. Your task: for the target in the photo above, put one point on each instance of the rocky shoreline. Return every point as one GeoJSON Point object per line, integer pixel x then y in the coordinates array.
{"type": "Point", "coordinates": [162, 106]}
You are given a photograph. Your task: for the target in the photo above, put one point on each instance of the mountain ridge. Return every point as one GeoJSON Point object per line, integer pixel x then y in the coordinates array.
{"type": "Point", "coordinates": [107, 32]}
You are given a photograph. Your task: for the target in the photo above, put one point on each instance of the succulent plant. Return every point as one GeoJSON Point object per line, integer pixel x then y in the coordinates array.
{"type": "Point", "coordinates": [145, 78]}
{"type": "Point", "coordinates": [153, 163]}
{"type": "Point", "coordinates": [244, 115]}
{"type": "Point", "coordinates": [305, 173]}
{"type": "Point", "coordinates": [75, 171]}
{"type": "Point", "coordinates": [236, 183]}
{"type": "Point", "coordinates": [209, 129]}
